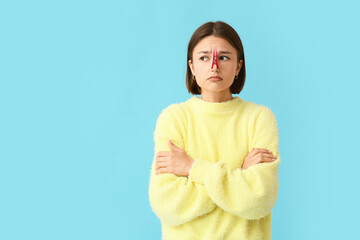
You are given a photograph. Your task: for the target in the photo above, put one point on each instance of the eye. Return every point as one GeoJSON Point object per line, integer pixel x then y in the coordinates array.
{"type": "Point", "coordinates": [201, 58]}
{"type": "Point", "coordinates": [227, 58]}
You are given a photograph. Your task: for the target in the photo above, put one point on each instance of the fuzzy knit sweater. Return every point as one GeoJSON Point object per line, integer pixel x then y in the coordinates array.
{"type": "Point", "coordinates": [218, 200]}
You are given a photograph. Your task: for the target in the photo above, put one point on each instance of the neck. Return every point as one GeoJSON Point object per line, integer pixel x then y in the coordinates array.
{"type": "Point", "coordinates": [216, 97]}
{"type": "Point", "coordinates": [223, 107]}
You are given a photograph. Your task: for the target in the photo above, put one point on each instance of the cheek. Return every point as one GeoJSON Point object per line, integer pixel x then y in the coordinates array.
{"type": "Point", "coordinates": [228, 68]}
{"type": "Point", "coordinates": [201, 68]}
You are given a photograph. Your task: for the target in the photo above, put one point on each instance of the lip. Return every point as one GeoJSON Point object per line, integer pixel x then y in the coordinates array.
{"type": "Point", "coordinates": [214, 78]}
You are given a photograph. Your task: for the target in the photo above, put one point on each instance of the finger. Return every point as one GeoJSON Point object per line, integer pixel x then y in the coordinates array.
{"type": "Point", "coordinates": [262, 154]}
{"type": "Point", "coordinates": [158, 171]}
{"type": "Point", "coordinates": [267, 159]}
{"type": "Point", "coordinates": [163, 153]}
{"type": "Point", "coordinates": [257, 150]}
{"type": "Point", "coordinates": [160, 165]}
{"type": "Point", "coordinates": [161, 170]}
{"type": "Point", "coordinates": [266, 156]}
{"type": "Point", "coordinates": [263, 150]}
{"type": "Point", "coordinates": [162, 158]}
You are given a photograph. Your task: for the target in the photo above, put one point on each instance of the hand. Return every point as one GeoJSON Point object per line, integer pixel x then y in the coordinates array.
{"type": "Point", "coordinates": [175, 161]}
{"type": "Point", "coordinates": [258, 155]}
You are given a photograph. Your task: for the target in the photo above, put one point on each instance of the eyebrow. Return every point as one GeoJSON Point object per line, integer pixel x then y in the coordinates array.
{"type": "Point", "coordinates": [221, 52]}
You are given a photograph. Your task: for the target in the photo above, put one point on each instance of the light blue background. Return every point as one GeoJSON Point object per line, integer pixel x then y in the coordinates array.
{"type": "Point", "coordinates": [83, 82]}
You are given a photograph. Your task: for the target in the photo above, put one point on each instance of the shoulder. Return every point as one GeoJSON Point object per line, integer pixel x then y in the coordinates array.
{"type": "Point", "coordinates": [258, 112]}
{"type": "Point", "coordinates": [173, 114]}
{"type": "Point", "coordinates": [174, 110]}
{"type": "Point", "coordinates": [170, 121]}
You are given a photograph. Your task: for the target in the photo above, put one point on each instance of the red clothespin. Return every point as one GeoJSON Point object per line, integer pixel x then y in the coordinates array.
{"type": "Point", "coordinates": [215, 60]}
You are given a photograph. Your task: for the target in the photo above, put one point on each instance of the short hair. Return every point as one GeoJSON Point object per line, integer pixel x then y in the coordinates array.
{"type": "Point", "coordinates": [225, 31]}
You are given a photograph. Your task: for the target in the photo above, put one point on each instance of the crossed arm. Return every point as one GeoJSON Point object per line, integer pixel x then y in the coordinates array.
{"type": "Point", "coordinates": [248, 193]}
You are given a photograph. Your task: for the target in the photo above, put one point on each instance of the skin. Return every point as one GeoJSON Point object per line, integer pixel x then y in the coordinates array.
{"type": "Point", "coordinates": [258, 155]}
{"type": "Point", "coordinates": [177, 161]}
{"type": "Point", "coordinates": [200, 67]}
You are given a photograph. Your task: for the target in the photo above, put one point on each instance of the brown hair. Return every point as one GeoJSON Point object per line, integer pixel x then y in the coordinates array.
{"type": "Point", "coordinates": [217, 29]}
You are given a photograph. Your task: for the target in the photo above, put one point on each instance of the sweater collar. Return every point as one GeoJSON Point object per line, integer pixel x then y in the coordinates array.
{"type": "Point", "coordinates": [215, 107]}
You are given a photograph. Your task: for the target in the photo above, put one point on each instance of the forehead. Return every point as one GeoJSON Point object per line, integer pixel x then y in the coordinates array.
{"type": "Point", "coordinates": [213, 43]}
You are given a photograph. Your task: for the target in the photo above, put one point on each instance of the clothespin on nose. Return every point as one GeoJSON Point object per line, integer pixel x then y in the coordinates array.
{"type": "Point", "coordinates": [215, 60]}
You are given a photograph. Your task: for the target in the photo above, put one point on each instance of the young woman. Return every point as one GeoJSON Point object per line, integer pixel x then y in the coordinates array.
{"type": "Point", "coordinates": [215, 170]}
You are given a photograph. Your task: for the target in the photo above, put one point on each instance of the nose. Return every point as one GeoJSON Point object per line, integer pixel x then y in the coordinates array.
{"type": "Point", "coordinates": [215, 64]}
{"type": "Point", "coordinates": [214, 68]}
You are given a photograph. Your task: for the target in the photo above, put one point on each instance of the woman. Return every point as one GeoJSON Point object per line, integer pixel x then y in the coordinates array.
{"type": "Point", "coordinates": [215, 170]}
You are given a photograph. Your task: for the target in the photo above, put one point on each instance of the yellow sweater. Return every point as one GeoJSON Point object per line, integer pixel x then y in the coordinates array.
{"type": "Point", "coordinates": [218, 200]}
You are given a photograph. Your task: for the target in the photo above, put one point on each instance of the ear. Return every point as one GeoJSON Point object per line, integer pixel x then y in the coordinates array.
{"type": "Point", "coordinates": [239, 66]}
{"type": "Point", "coordinates": [191, 67]}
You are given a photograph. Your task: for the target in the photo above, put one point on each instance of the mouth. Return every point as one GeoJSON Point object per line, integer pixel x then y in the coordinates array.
{"type": "Point", "coordinates": [215, 78]}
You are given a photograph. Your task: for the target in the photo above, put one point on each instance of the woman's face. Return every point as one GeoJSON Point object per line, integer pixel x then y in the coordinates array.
{"type": "Point", "coordinates": [202, 68]}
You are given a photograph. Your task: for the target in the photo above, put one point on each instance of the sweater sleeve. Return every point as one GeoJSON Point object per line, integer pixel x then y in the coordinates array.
{"type": "Point", "coordinates": [248, 193]}
{"type": "Point", "coordinates": [174, 199]}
